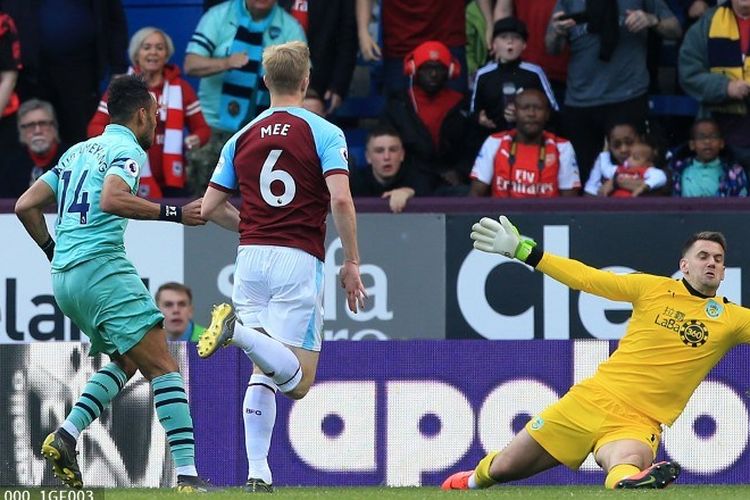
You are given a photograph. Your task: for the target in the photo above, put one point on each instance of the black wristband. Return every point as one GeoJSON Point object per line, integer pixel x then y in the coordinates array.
{"type": "Point", "coordinates": [534, 257]}
{"type": "Point", "coordinates": [171, 213]}
{"type": "Point", "coordinates": [48, 248]}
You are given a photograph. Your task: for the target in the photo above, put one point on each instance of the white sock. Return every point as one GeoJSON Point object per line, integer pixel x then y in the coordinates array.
{"type": "Point", "coordinates": [71, 429]}
{"type": "Point", "coordinates": [186, 470]}
{"type": "Point", "coordinates": [270, 355]}
{"type": "Point", "coordinates": [473, 482]}
{"type": "Point", "coordinates": [259, 413]}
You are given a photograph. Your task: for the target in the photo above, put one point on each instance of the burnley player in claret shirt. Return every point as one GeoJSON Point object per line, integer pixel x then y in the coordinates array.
{"type": "Point", "coordinates": [288, 165]}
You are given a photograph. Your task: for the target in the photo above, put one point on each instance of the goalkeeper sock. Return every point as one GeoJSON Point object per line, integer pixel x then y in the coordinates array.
{"type": "Point", "coordinates": [98, 392]}
{"type": "Point", "coordinates": [259, 413]}
{"type": "Point", "coordinates": [173, 411]}
{"type": "Point", "coordinates": [481, 477]}
{"type": "Point", "coordinates": [272, 357]}
{"type": "Point", "coordinates": [618, 473]}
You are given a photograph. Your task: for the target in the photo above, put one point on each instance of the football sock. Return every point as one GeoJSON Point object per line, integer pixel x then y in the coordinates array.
{"type": "Point", "coordinates": [259, 412]}
{"type": "Point", "coordinates": [271, 356]}
{"type": "Point", "coordinates": [98, 392]}
{"type": "Point", "coordinates": [481, 477]}
{"type": "Point", "coordinates": [618, 473]}
{"type": "Point", "coordinates": [174, 415]}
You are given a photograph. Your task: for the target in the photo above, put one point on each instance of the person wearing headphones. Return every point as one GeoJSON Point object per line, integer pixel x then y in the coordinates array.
{"type": "Point", "coordinates": [431, 118]}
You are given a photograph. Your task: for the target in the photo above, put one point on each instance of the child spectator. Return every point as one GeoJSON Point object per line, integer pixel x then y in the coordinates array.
{"type": "Point", "coordinates": [703, 171]}
{"type": "Point", "coordinates": [636, 175]}
{"type": "Point", "coordinates": [621, 138]}
{"type": "Point", "coordinates": [497, 83]}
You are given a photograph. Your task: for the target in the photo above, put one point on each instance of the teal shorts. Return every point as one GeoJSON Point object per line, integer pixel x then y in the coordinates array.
{"type": "Point", "coordinates": [107, 300]}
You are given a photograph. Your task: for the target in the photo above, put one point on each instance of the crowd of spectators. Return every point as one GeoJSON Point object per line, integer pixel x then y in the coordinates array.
{"type": "Point", "coordinates": [501, 98]}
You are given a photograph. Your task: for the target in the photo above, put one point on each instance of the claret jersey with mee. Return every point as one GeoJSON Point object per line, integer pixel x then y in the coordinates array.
{"type": "Point", "coordinates": [278, 163]}
{"type": "Point", "coordinates": [673, 339]}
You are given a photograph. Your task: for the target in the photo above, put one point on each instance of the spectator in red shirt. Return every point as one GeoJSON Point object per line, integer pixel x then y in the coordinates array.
{"type": "Point", "coordinates": [432, 119]}
{"type": "Point", "coordinates": [526, 162]}
{"type": "Point", "coordinates": [164, 174]}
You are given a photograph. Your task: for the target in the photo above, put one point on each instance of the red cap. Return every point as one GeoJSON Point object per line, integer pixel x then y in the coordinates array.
{"type": "Point", "coordinates": [432, 51]}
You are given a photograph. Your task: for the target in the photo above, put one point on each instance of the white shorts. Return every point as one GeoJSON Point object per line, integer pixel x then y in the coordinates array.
{"type": "Point", "coordinates": [280, 289]}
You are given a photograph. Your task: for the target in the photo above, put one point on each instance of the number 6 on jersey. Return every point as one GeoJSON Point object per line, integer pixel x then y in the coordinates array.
{"type": "Point", "coordinates": [268, 175]}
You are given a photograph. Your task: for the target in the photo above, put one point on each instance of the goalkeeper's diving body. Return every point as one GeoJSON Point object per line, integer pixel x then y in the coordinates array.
{"type": "Point", "coordinates": [678, 331]}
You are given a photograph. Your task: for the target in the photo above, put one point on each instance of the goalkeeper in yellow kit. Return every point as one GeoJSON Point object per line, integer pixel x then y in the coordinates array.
{"type": "Point", "coordinates": [678, 331]}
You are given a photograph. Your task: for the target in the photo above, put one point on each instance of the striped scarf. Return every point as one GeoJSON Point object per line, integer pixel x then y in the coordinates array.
{"type": "Point", "coordinates": [725, 55]}
{"type": "Point", "coordinates": [171, 112]}
{"type": "Point", "coordinates": [243, 93]}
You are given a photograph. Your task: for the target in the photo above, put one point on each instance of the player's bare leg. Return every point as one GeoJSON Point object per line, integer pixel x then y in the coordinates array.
{"type": "Point", "coordinates": [522, 458]}
{"type": "Point", "coordinates": [159, 367]}
{"type": "Point", "coordinates": [308, 361]}
{"type": "Point", "coordinates": [628, 463]}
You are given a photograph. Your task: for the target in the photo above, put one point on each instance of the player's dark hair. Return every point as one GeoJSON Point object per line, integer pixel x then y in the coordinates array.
{"type": "Point", "coordinates": [126, 95]}
{"type": "Point", "coordinates": [702, 121]}
{"type": "Point", "coordinates": [381, 130]}
{"type": "Point", "coordinates": [714, 236]}
{"type": "Point", "coordinates": [175, 287]}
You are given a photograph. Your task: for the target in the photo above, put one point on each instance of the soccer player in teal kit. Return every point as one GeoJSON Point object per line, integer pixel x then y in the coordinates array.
{"type": "Point", "coordinates": [94, 186]}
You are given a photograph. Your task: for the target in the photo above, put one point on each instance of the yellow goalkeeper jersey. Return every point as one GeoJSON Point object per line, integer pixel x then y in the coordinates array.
{"type": "Point", "coordinates": [673, 339]}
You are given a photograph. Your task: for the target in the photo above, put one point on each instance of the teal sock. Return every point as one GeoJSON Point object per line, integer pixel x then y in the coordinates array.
{"type": "Point", "coordinates": [99, 391]}
{"type": "Point", "coordinates": [174, 414]}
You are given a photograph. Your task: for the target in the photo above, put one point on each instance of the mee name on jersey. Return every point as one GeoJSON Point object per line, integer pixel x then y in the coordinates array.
{"type": "Point", "coordinates": [278, 163]}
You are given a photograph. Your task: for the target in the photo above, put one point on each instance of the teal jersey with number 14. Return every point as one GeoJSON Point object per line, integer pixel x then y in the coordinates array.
{"type": "Point", "coordinates": [83, 230]}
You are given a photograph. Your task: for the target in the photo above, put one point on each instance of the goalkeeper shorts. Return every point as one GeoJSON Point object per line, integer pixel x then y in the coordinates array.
{"type": "Point", "coordinates": [584, 420]}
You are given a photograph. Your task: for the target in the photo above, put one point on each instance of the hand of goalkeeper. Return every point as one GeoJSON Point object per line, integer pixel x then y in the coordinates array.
{"type": "Point", "coordinates": [501, 237]}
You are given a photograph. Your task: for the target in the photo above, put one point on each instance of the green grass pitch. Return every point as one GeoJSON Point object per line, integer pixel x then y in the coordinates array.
{"type": "Point", "coordinates": [503, 492]}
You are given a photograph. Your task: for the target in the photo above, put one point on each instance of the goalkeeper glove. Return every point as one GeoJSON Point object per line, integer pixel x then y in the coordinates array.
{"type": "Point", "coordinates": [501, 237]}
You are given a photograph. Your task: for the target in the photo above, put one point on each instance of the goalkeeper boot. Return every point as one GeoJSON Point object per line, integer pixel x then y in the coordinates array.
{"type": "Point", "coordinates": [457, 481]}
{"type": "Point", "coordinates": [193, 484]}
{"type": "Point", "coordinates": [219, 333]}
{"type": "Point", "coordinates": [257, 486]}
{"type": "Point", "coordinates": [60, 451]}
{"type": "Point", "coordinates": [658, 476]}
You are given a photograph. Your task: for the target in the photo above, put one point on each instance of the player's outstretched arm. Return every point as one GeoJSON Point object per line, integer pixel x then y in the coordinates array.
{"type": "Point", "coordinates": [501, 237]}
{"type": "Point", "coordinates": [345, 218]}
{"type": "Point", "coordinates": [117, 199]}
{"type": "Point", "coordinates": [30, 210]}
{"type": "Point", "coordinates": [217, 209]}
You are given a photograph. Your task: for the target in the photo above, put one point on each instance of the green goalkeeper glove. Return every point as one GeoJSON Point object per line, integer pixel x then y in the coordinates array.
{"type": "Point", "coordinates": [501, 237]}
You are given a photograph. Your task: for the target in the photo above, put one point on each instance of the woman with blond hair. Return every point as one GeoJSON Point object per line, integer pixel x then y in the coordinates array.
{"type": "Point", "coordinates": [164, 175]}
